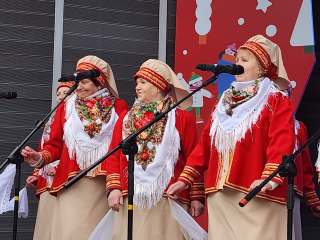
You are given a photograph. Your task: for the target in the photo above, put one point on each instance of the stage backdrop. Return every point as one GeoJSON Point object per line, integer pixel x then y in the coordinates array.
{"type": "Point", "coordinates": [124, 33]}
{"type": "Point", "coordinates": [211, 31]}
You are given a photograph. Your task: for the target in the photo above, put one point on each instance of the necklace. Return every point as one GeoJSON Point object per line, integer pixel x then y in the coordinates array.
{"type": "Point", "coordinates": [233, 98]}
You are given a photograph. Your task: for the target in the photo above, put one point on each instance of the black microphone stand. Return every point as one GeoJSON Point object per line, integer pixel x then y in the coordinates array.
{"type": "Point", "coordinates": [287, 169]}
{"type": "Point", "coordinates": [16, 158]}
{"type": "Point", "coordinates": [129, 147]}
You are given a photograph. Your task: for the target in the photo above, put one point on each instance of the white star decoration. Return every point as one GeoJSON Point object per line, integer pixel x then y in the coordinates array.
{"type": "Point", "coordinates": [263, 5]}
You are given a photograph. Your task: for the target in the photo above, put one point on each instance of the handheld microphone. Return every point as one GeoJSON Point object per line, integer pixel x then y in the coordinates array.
{"type": "Point", "coordinates": [8, 95]}
{"type": "Point", "coordinates": [232, 69]}
{"type": "Point", "coordinates": [93, 73]}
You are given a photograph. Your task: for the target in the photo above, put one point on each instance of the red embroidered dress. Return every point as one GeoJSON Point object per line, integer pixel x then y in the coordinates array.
{"type": "Point", "coordinates": [57, 146]}
{"type": "Point", "coordinates": [117, 164]}
{"type": "Point", "coordinates": [303, 184]}
{"type": "Point", "coordinates": [44, 182]}
{"type": "Point", "coordinates": [253, 148]}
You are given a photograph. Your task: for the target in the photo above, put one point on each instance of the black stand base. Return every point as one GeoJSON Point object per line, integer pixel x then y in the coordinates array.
{"type": "Point", "coordinates": [16, 159]}
{"type": "Point", "coordinates": [289, 170]}
{"type": "Point", "coordinates": [130, 148]}
{"type": "Point", "coordinates": [286, 169]}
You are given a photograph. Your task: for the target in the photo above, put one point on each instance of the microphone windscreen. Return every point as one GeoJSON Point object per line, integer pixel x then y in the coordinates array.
{"type": "Point", "coordinates": [237, 69]}
{"type": "Point", "coordinates": [13, 95]}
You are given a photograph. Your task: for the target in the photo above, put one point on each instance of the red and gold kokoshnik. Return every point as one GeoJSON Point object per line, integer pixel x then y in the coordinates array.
{"type": "Point", "coordinates": [65, 84]}
{"type": "Point", "coordinates": [84, 66]}
{"type": "Point", "coordinates": [260, 53]}
{"type": "Point", "coordinates": [153, 77]}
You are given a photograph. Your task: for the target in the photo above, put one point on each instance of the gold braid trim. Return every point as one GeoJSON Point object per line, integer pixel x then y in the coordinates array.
{"type": "Point", "coordinates": [300, 193]}
{"type": "Point", "coordinates": [269, 169]}
{"type": "Point", "coordinates": [36, 172]}
{"type": "Point", "coordinates": [41, 190]}
{"type": "Point", "coordinates": [189, 175]}
{"type": "Point", "coordinates": [312, 199]}
{"type": "Point", "coordinates": [47, 158]}
{"type": "Point", "coordinates": [197, 191]}
{"type": "Point", "coordinates": [114, 181]}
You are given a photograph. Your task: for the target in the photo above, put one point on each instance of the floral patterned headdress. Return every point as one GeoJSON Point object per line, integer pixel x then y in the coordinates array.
{"type": "Point", "coordinates": [269, 55]}
{"type": "Point", "coordinates": [65, 84]}
{"type": "Point", "coordinates": [161, 75]}
{"type": "Point", "coordinates": [106, 78]}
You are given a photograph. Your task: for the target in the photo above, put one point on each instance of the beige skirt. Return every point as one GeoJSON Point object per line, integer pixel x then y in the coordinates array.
{"type": "Point", "coordinates": [157, 224]}
{"type": "Point", "coordinates": [79, 209]}
{"type": "Point", "coordinates": [45, 212]}
{"type": "Point", "coordinates": [259, 219]}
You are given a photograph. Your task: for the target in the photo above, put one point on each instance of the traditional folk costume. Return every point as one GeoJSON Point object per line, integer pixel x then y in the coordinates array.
{"type": "Point", "coordinates": [250, 128]}
{"type": "Point", "coordinates": [303, 185]}
{"type": "Point", "coordinates": [46, 203]}
{"type": "Point", "coordinates": [81, 134]}
{"type": "Point", "coordinates": [317, 165]}
{"type": "Point", "coordinates": [162, 154]}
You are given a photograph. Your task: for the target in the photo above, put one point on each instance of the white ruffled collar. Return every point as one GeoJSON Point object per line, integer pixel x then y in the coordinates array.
{"type": "Point", "coordinates": [226, 131]}
{"type": "Point", "coordinates": [242, 85]}
{"type": "Point", "coordinates": [228, 123]}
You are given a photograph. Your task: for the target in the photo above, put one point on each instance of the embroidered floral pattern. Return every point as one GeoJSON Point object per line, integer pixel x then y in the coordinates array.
{"type": "Point", "coordinates": [47, 127]}
{"type": "Point", "coordinates": [138, 117]}
{"type": "Point", "coordinates": [145, 156]}
{"type": "Point", "coordinates": [93, 112]}
{"type": "Point", "coordinates": [233, 98]}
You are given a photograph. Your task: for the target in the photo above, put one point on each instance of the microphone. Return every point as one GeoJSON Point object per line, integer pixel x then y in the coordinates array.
{"type": "Point", "coordinates": [93, 73]}
{"type": "Point", "coordinates": [8, 95]}
{"type": "Point", "coordinates": [232, 69]}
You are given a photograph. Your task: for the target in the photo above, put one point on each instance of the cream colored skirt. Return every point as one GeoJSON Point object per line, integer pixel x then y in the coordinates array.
{"type": "Point", "coordinates": [259, 219]}
{"type": "Point", "coordinates": [43, 226]}
{"type": "Point", "coordinates": [157, 224]}
{"type": "Point", "coordinates": [79, 209]}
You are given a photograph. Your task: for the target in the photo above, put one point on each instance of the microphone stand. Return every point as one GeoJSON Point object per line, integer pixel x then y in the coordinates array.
{"type": "Point", "coordinates": [129, 147]}
{"type": "Point", "coordinates": [16, 158]}
{"type": "Point", "coordinates": [287, 169]}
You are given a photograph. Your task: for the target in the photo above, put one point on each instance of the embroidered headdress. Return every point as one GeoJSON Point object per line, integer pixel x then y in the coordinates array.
{"type": "Point", "coordinates": [161, 75]}
{"type": "Point", "coordinates": [106, 78]}
{"type": "Point", "coordinates": [269, 55]}
{"type": "Point", "coordinates": [65, 84]}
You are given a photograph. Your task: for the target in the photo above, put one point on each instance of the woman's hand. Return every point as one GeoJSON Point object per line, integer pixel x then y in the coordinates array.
{"type": "Point", "coordinates": [50, 171]}
{"type": "Point", "coordinates": [197, 208]}
{"type": "Point", "coordinates": [175, 188]}
{"type": "Point", "coordinates": [115, 199]}
{"type": "Point", "coordinates": [31, 181]}
{"type": "Point", "coordinates": [316, 211]}
{"type": "Point", "coordinates": [30, 155]}
{"type": "Point", "coordinates": [257, 183]}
